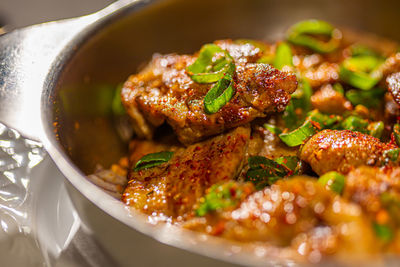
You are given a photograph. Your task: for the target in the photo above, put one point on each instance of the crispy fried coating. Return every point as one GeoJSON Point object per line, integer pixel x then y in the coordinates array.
{"type": "Point", "coordinates": [341, 151]}
{"type": "Point", "coordinates": [163, 91]}
{"type": "Point", "coordinates": [174, 187]}
{"type": "Point", "coordinates": [293, 212]}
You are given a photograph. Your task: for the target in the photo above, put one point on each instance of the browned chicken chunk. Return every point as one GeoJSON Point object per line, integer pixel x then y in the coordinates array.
{"type": "Point", "coordinates": [328, 100]}
{"type": "Point", "coordinates": [163, 91]}
{"type": "Point", "coordinates": [332, 150]}
{"type": "Point", "coordinates": [294, 212]}
{"type": "Point", "coordinates": [374, 189]}
{"type": "Point", "coordinates": [174, 187]}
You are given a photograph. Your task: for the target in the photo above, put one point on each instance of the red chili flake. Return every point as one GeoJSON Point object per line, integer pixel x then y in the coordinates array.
{"type": "Point", "coordinates": [218, 228]}
{"type": "Point", "coordinates": [316, 125]}
{"type": "Point", "coordinates": [232, 191]}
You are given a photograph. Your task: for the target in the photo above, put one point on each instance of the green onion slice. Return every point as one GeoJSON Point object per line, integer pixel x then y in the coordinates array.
{"type": "Point", "coordinates": [220, 94]}
{"type": "Point", "coordinates": [384, 232]}
{"type": "Point", "coordinates": [396, 133]}
{"type": "Point", "coordinates": [361, 72]}
{"type": "Point", "coordinates": [207, 69]}
{"type": "Point", "coordinates": [290, 162]}
{"type": "Point", "coordinates": [371, 98]}
{"type": "Point", "coordinates": [333, 181]}
{"type": "Point", "coordinates": [376, 129]}
{"type": "Point", "coordinates": [303, 33]}
{"type": "Point", "coordinates": [221, 196]}
{"type": "Point", "coordinates": [391, 154]}
{"type": "Point", "coordinates": [204, 69]}
{"type": "Point", "coordinates": [362, 50]}
{"type": "Point", "coordinates": [272, 128]}
{"type": "Point", "coordinates": [315, 121]}
{"type": "Point", "coordinates": [283, 56]}
{"type": "Point", "coordinates": [152, 160]}
{"type": "Point", "coordinates": [298, 136]}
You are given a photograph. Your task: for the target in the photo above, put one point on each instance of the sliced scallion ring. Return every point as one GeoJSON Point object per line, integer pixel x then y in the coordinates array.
{"type": "Point", "coordinates": [303, 33]}
{"type": "Point", "coordinates": [220, 94]}
{"type": "Point", "coordinates": [299, 135]}
{"type": "Point", "coordinates": [283, 56]}
{"type": "Point", "coordinates": [152, 160]}
{"type": "Point", "coordinates": [206, 69]}
{"type": "Point", "coordinates": [314, 122]}
{"type": "Point", "coordinates": [361, 72]}
{"type": "Point", "coordinates": [333, 181]}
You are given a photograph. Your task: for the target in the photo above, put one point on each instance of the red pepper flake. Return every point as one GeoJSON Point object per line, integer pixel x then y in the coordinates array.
{"type": "Point", "coordinates": [218, 228]}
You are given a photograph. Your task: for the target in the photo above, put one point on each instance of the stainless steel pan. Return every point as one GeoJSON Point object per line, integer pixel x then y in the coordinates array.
{"type": "Point", "coordinates": [48, 72]}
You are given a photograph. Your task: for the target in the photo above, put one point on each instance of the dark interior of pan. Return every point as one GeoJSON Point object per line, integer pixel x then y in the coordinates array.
{"type": "Point", "coordinates": [121, 44]}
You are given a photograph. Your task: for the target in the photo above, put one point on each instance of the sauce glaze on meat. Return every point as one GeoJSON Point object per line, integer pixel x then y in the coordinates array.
{"type": "Point", "coordinates": [232, 174]}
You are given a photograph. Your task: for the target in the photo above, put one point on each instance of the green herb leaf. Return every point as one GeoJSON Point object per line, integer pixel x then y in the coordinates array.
{"type": "Point", "coordinates": [283, 56]}
{"type": "Point", "coordinates": [264, 172]}
{"type": "Point", "coordinates": [384, 232]}
{"type": "Point", "coordinates": [290, 162]}
{"type": "Point", "coordinates": [371, 98]}
{"type": "Point", "coordinates": [207, 69]}
{"type": "Point", "coordinates": [333, 181]}
{"type": "Point", "coordinates": [303, 32]}
{"type": "Point", "coordinates": [220, 94]}
{"type": "Point", "coordinates": [152, 160]}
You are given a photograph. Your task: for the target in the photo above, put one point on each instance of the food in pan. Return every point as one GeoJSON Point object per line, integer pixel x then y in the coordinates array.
{"type": "Point", "coordinates": [293, 144]}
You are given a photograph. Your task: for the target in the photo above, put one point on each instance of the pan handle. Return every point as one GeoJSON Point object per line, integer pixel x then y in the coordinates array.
{"type": "Point", "coordinates": [25, 59]}
{"type": "Point", "coordinates": [26, 56]}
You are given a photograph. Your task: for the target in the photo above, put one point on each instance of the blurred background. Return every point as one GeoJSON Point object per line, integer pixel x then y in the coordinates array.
{"type": "Point", "coordinates": [20, 13]}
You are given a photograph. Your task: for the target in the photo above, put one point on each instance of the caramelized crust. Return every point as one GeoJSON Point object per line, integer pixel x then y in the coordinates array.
{"type": "Point", "coordinates": [332, 150]}
{"type": "Point", "coordinates": [171, 189]}
{"type": "Point", "coordinates": [295, 211]}
{"type": "Point", "coordinates": [164, 92]}
{"type": "Point", "coordinates": [328, 100]}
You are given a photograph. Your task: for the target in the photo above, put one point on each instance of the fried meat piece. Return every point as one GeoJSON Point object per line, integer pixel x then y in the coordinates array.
{"type": "Point", "coordinates": [376, 190]}
{"type": "Point", "coordinates": [328, 100]}
{"type": "Point", "coordinates": [163, 91]}
{"type": "Point", "coordinates": [174, 187]}
{"type": "Point", "coordinates": [294, 211]}
{"type": "Point", "coordinates": [333, 150]}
